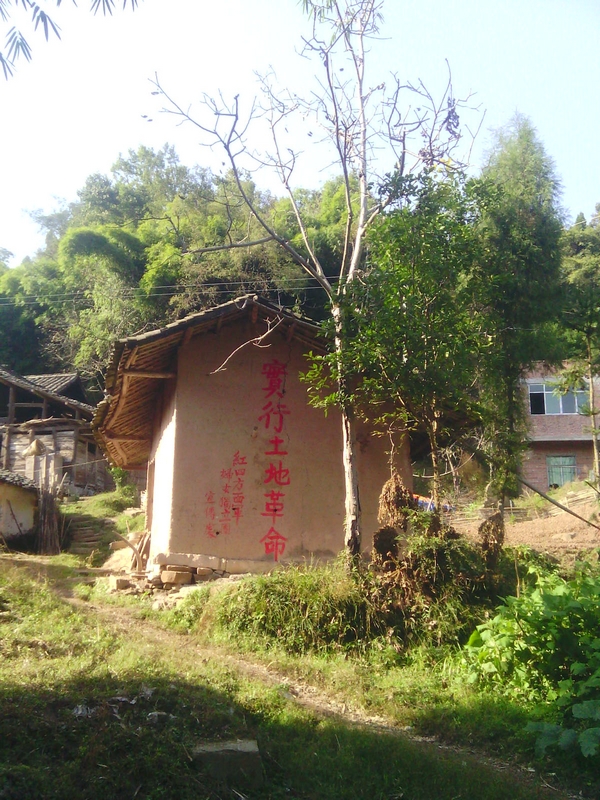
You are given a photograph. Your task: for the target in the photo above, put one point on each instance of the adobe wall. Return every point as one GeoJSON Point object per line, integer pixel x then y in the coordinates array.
{"type": "Point", "coordinates": [23, 505]}
{"type": "Point", "coordinates": [257, 472]}
{"type": "Point", "coordinates": [159, 519]}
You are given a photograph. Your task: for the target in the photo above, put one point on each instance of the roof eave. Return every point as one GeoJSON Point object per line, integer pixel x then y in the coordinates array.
{"type": "Point", "coordinates": [128, 444]}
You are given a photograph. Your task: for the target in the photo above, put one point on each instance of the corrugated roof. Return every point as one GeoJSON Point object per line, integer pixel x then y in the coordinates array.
{"type": "Point", "coordinates": [28, 385]}
{"type": "Point", "coordinates": [123, 421]}
{"type": "Point", "coordinates": [17, 480]}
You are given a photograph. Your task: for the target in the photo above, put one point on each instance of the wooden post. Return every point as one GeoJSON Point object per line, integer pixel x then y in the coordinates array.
{"type": "Point", "coordinates": [6, 459]}
{"type": "Point", "coordinates": [12, 394]}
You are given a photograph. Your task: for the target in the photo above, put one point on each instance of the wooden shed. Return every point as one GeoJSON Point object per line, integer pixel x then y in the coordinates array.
{"type": "Point", "coordinates": [45, 432]}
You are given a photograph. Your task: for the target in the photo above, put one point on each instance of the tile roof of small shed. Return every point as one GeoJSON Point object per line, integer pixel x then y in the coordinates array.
{"type": "Point", "coordinates": [56, 382]}
{"type": "Point", "coordinates": [29, 385]}
{"type": "Point", "coordinates": [17, 480]}
{"type": "Point", "coordinates": [124, 419]}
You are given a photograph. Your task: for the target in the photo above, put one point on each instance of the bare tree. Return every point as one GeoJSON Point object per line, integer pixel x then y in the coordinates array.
{"type": "Point", "coordinates": [375, 143]}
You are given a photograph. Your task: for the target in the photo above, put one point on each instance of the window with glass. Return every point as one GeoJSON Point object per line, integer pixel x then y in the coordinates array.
{"type": "Point", "coordinates": [543, 399]}
{"type": "Point", "coordinates": [561, 470]}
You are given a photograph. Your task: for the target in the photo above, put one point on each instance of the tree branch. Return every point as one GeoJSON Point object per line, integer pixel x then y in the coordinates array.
{"type": "Point", "coordinates": [256, 342]}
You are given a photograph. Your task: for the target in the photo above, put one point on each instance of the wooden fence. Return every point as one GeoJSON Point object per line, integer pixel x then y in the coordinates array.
{"type": "Point", "coordinates": [572, 500]}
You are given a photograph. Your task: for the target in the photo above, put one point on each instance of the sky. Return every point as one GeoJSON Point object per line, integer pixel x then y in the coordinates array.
{"type": "Point", "coordinates": [87, 98]}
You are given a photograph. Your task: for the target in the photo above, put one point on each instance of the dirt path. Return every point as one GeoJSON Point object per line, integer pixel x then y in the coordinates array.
{"type": "Point", "coordinates": [154, 640]}
{"type": "Point", "coordinates": [157, 639]}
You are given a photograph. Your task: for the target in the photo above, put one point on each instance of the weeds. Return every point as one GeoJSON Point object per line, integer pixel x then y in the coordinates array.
{"type": "Point", "coordinates": [385, 640]}
{"type": "Point", "coordinates": [302, 609]}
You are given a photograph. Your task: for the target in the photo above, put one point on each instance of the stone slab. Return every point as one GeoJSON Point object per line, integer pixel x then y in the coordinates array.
{"type": "Point", "coordinates": [233, 763]}
{"type": "Point", "coordinates": [223, 565]}
{"type": "Point", "coordinates": [179, 568]}
{"type": "Point", "coordinates": [177, 578]}
{"type": "Point", "coordinates": [117, 584]}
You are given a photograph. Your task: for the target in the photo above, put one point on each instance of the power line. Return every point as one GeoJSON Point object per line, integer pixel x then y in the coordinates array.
{"type": "Point", "coordinates": [159, 291]}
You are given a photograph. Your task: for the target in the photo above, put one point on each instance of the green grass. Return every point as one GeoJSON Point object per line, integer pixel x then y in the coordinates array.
{"type": "Point", "coordinates": [78, 697]}
{"type": "Point", "coordinates": [316, 626]}
{"type": "Point", "coordinates": [304, 622]}
{"type": "Point", "coordinates": [107, 504]}
{"type": "Point", "coordinates": [533, 501]}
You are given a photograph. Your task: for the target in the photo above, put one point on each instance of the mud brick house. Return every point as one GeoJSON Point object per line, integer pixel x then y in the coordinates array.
{"type": "Point", "coordinates": [560, 447]}
{"type": "Point", "coordinates": [18, 508]}
{"type": "Point", "coordinates": [45, 432]}
{"type": "Point", "coordinates": [242, 471]}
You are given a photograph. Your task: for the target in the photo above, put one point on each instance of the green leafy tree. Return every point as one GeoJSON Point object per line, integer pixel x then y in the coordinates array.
{"type": "Point", "coordinates": [5, 256]}
{"type": "Point", "coordinates": [581, 315]}
{"type": "Point", "coordinates": [124, 257]}
{"type": "Point", "coordinates": [412, 341]}
{"type": "Point", "coordinates": [23, 339]}
{"type": "Point", "coordinates": [518, 284]}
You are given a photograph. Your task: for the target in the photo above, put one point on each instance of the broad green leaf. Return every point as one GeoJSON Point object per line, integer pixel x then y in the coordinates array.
{"type": "Point", "coordinates": [589, 709]}
{"type": "Point", "coordinates": [567, 739]}
{"type": "Point", "coordinates": [589, 740]}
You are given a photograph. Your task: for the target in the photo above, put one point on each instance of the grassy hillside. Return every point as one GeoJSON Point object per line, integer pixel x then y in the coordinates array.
{"type": "Point", "coordinates": [97, 701]}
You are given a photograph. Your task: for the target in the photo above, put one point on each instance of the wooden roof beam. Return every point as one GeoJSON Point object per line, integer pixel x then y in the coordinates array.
{"type": "Point", "coordinates": [128, 439]}
{"type": "Point", "coordinates": [135, 373]}
{"type": "Point", "coordinates": [187, 336]}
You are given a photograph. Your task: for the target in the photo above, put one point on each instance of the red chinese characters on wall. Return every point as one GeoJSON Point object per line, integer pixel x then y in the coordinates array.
{"type": "Point", "coordinates": [276, 475]}
{"type": "Point", "coordinates": [230, 506]}
{"type": "Point", "coordinates": [211, 514]}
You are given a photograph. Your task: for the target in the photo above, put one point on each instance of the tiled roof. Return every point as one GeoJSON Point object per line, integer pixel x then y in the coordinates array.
{"type": "Point", "coordinates": [28, 385]}
{"type": "Point", "coordinates": [139, 364]}
{"type": "Point", "coordinates": [56, 382]}
{"type": "Point", "coordinates": [17, 480]}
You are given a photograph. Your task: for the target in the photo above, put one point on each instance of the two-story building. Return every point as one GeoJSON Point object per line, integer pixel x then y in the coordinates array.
{"type": "Point", "coordinates": [560, 447]}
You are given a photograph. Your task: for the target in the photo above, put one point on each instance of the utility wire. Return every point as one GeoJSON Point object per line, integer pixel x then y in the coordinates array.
{"type": "Point", "coordinates": [156, 291]}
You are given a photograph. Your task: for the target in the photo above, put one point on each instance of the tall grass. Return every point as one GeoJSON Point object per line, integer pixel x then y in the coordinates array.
{"type": "Point", "coordinates": [302, 609]}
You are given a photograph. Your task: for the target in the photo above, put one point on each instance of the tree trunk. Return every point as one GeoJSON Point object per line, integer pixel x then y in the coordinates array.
{"type": "Point", "coordinates": [352, 528]}
{"type": "Point", "coordinates": [435, 463]}
{"type": "Point", "coordinates": [592, 399]}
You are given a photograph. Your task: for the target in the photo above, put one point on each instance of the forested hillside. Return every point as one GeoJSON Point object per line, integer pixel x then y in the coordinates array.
{"type": "Point", "coordinates": [463, 284]}
{"type": "Point", "coordinates": [145, 245]}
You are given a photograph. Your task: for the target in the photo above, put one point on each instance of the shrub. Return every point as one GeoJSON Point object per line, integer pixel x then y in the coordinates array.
{"type": "Point", "coordinates": [187, 614]}
{"type": "Point", "coordinates": [434, 594]}
{"type": "Point", "coordinates": [302, 609]}
{"type": "Point", "coordinates": [545, 645]}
